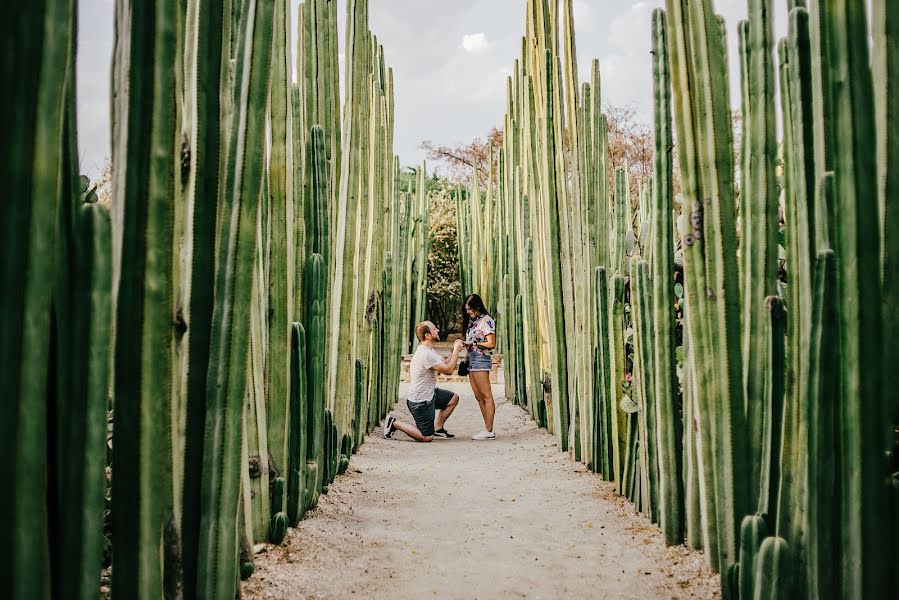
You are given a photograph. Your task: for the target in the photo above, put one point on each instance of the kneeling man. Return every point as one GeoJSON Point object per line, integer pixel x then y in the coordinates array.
{"type": "Point", "coordinates": [424, 398]}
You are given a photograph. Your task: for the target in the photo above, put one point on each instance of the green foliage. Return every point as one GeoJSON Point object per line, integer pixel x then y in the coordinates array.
{"type": "Point", "coordinates": [444, 287]}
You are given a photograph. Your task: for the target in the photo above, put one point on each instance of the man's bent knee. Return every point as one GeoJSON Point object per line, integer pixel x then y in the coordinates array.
{"type": "Point", "coordinates": [426, 438]}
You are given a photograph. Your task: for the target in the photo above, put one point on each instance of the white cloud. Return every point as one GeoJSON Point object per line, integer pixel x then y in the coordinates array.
{"type": "Point", "coordinates": [475, 43]}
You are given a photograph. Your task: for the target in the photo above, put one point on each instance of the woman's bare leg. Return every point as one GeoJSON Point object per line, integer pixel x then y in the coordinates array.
{"type": "Point", "coordinates": [476, 390]}
{"type": "Point", "coordinates": [481, 379]}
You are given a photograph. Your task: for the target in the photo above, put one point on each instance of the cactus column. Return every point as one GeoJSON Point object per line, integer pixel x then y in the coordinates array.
{"type": "Point", "coordinates": [241, 192]}
{"type": "Point", "coordinates": [702, 113]}
{"type": "Point", "coordinates": [885, 64]}
{"type": "Point", "coordinates": [144, 185]}
{"type": "Point", "coordinates": [281, 247]}
{"type": "Point", "coordinates": [207, 44]}
{"type": "Point", "coordinates": [671, 491]}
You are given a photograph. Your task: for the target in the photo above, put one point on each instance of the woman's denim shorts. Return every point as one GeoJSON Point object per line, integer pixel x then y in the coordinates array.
{"type": "Point", "coordinates": [479, 362]}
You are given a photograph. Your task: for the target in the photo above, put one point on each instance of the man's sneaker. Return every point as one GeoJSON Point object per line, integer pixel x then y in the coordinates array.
{"type": "Point", "coordinates": [484, 435]}
{"type": "Point", "coordinates": [388, 426]}
{"type": "Point", "coordinates": [443, 433]}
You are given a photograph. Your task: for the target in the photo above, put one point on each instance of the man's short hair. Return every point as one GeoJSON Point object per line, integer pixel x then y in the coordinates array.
{"type": "Point", "coordinates": [423, 329]}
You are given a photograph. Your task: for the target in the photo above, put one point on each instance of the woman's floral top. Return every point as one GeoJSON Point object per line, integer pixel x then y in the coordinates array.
{"type": "Point", "coordinates": [478, 331]}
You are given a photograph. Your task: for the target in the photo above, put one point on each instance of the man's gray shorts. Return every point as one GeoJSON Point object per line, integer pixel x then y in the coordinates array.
{"type": "Point", "coordinates": [424, 412]}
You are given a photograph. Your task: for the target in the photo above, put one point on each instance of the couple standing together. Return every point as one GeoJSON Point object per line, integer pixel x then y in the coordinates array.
{"type": "Point", "coordinates": [425, 399]}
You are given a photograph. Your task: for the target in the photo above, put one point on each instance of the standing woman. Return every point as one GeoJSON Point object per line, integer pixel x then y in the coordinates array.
{"type": "Point", "coordinates": [480, 340]}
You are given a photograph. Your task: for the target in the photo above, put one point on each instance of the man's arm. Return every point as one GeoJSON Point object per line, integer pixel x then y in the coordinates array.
{"type": "Point", "coordinates": [449, 366]}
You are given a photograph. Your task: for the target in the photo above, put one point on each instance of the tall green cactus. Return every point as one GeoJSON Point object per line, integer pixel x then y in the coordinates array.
{"type": "Point", "coordinates": [281, 249]}
{"type": "Point", "coordinates": [32, 119]}
{"type": "Point", "coordinates": [553, 259]}
{"type": "Point", "coordinates": [257, 421]}
{"type": "Point", "coordinates": [207, 46]}
{"type": "Point", "coordinates": [758, 248]}
{"type": "Point", "coordinates": [702, 113]}
{"type": "Point", "coordinates": [865, 551]}
{"type": "Point", "coordinates": [671, 487]}
{"type": "Point", "coordinates": [146, 536]}
{"type": "Point", "coordinates": [217, 556]}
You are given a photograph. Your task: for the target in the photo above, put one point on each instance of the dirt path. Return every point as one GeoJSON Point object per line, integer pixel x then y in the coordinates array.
{"type": "Point", "coordinates": [509, 518]}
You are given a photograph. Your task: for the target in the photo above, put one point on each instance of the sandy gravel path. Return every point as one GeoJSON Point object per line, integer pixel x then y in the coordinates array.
{"type": "Point", "coordinates": [509, 518]}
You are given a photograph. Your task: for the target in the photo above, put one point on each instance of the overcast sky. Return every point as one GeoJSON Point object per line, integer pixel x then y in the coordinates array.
{"type": "Point", "coordinates": [450, 62]}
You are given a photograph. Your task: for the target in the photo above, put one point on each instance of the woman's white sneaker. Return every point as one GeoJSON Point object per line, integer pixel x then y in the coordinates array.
{"type": "Point", "coordinates": [484, 435]}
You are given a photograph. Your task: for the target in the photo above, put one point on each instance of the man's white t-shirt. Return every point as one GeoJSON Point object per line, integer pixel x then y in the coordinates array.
{"type": "Point", "coordinates": [423, 376]}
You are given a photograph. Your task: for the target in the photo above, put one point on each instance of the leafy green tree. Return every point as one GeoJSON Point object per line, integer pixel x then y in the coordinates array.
{"type": "Point", "coordinates": [444, 288]}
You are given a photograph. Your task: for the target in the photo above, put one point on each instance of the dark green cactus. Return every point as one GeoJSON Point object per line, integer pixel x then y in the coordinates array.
{"type": "Point", "coordinates": [226, 384]}
{"type": "Point", "coordinates": [646, 372]}
{"type": "Point", "coordinates": [885, 67]}
{"type": "Point", "coordinates": [279, 493]}
{"type": "Point", "coordinates": [603, 437]}
{"type": "Point", "coordinates": [278, 529]}
{"type": "Point", "coordinates": [143, 247]}
{"type": "Point", "coordinates": [207, 86]}
{"type": "Point", "coordinates": [618, 419]}
{"type": "Point", "coordinates": [346, 451]}
{"type": "Point", "coordinates": [822, 515]}
{"type": "Point", "coordinates": [864, 428]}
{"type": "Point", "coordinates": [358, 392]}
{"type": "Point", "coordinates": [776, 447]}
{"type": "Point", "coordinates": [758, 248]}
{"type": "Point", "coordinates": [315, 280]}
{"type": "Point", "coordinates": [296, 476]}
{"type": "Point", "coordinates": [333, 450]}
{"type": "Point", "coordinates": [670, 431]}
{"type": "Point", "coordinates": [753, 532]}
{"type": "Point", "coordinates": [326, 462]}
{"type": "Point", "coordinates": [317, 213]}
{"type": "Point", "coordinates": [775, 570]}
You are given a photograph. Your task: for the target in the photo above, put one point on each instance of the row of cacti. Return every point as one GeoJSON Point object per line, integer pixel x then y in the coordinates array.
{"type": "Point", "coordinates": [255, 266]}
{"type": "Point", "coordinates": [749, 415]}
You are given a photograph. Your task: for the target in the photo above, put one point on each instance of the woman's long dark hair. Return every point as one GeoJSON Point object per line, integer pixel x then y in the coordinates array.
{"type": "Point", "coordinates": [477, 304]}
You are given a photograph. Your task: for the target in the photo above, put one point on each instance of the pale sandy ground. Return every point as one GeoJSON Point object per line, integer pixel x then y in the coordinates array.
{"type": "Point", "coordinates": [509, 518]}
